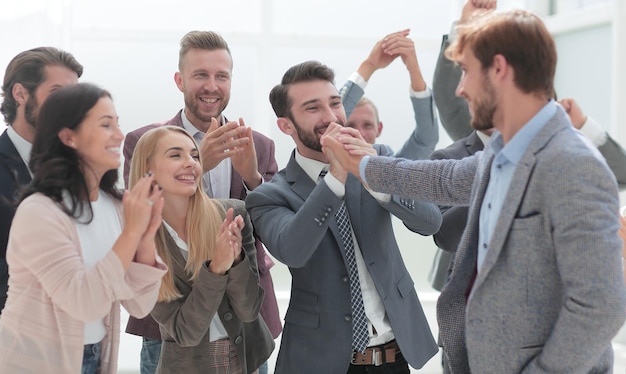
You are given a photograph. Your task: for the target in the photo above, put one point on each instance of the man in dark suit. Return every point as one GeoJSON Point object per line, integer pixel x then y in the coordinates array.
{"type": "Point", "coordinates": [295, 217]}
{"type": "Point", "coordinates": [236, 158]}
{"type": "Point", "coordinates": [29, 78]}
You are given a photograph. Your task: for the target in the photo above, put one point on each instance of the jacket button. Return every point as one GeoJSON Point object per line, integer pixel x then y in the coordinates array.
{"type": "Point", "coordinates": [347, 318]}
{"type": "Point", "coordinates": [238, 340]}
{"type": "Point", "coordinates": [228, 316]}
{"type": "Point", "coordinates": [345, 279]}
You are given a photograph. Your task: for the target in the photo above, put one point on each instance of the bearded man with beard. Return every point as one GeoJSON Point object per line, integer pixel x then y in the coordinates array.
{"type": "Point", "coordinates": [537, 282]}
{"type": "Point", "coordinates": [353, 307]}
{"type": "Point", "coordinates": [28, 80]}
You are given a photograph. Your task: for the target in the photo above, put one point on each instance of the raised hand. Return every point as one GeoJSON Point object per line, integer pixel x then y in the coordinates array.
{"type": "Point", "coordinates": [576, 115]}
{"type": "Point", "coordinates": [473, 8]}
{"type": "Point", "coordinates": [221, 142]}
{"type": "Point", "coordinates": [227, 244]}
{"type": "Point", "coordinates": [398, 44]}
{"type": "Point", "coordinates": [377, 58]}
{"type": "Point", "coordinates": [245, 161]}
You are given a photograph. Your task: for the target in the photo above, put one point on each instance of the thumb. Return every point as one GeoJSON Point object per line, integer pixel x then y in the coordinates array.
{"type": "Point", "coordinates": [214, 124]}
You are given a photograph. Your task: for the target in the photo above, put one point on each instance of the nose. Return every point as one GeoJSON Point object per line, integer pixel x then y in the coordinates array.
{"type": "Point", "coordinates": [330, 115]}
{"type": "Point", "coordinates": [210, 84]}
{"type": "Point", "coordinates": [460, 88]}
{"type": "Point", "coordinates": [118, 134]}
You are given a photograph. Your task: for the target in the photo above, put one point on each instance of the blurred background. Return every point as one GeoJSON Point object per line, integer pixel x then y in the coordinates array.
{"type": "Point", "coordinates": [131, 49]}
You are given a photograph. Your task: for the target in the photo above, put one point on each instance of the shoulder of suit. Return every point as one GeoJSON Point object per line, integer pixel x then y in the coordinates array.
{"type": "Point", "coordinates": [176, 121]}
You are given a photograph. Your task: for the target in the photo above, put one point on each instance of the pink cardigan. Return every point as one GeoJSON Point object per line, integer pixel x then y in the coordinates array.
{"type": "Point", "coordinates": [51, 294]}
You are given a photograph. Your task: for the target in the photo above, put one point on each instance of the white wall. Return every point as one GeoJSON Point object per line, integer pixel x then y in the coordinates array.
{"type": "Point", "coordinates": [131, 48]}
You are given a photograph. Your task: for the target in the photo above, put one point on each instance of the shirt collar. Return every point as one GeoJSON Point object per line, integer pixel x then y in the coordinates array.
{"type": "Point", "coordinates": [311, 167]}
{"type": "Point", "coordinates": [22, 145]}
{"type": "Point", "coordinates": [191, 129]}
{"type": "Point", "coordinates": [179, 242]}
{"type": "Point", "coordinates": [515, 148]}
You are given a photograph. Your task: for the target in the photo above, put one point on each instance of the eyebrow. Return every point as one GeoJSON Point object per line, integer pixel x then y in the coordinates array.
{"type": "Point", "coordinates": [333, 97]}
{"type": "Point", "coordinates": [180, 149]}
{"type": "Point", "coordinates": [107, 116]}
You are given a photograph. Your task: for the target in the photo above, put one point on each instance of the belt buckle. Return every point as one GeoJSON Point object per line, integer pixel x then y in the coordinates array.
{"type": "Point", "coordinates": [377, 357]}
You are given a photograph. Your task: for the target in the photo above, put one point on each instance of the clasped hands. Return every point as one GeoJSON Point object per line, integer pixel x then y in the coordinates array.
{"type": "Point", "coordinates": [228, 244]}
{"type": "Point", "coordinates": [344, 147]}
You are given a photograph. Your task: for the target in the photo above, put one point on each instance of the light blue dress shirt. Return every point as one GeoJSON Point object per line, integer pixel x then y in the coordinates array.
{"type": "Point", "coordinates": [506, 158]}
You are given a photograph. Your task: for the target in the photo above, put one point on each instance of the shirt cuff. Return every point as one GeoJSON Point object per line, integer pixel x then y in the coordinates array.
{"type": "Point", "coordinates": [453, 33]}
{"type": "Point", "coordinates": [358, 80]}
{"type": "Point", "coordinates": [245, 186]}
{"type": "Point", "coordinates": [362, 166]}
{"type": "Point", "coordinates": [338, 188]}
{"type": "Point", "coordinates": [379, 196]}
{"type": "Point", "coordinates": [420, 94]}
{"type": "Point", "coordinates": [594, 132]}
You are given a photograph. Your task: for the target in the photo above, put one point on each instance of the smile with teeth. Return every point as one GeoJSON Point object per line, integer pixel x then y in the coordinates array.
{"type": "Point", "coordinates": [209, 100]}
{"type": "Point", "coordinates": [190, 178]}
{"type": "Point", "coordinates": [113, 149]}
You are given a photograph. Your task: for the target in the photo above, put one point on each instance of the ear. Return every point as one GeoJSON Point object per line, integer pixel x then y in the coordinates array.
{"type": "Point", "coordinates": [20, 93]}
{"type": "Point", "coordinates": [380, 129]}
{"type": "Point", "coordinates": [500, 66]}
{"type": "Point", "coordinates": [67, 137]}
{"type": "Point", "coordinates": [178, 79]}
{"type": "Point", "coordinates": [285, 125]}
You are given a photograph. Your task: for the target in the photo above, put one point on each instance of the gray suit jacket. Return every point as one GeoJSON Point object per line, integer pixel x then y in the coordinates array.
{"type": "Point", "coordinates": [235, 297]}
{"type": "Point", "coordinates": [453, 217]}
{"type": "Point", "coordinates": [293, 216]}
{"type": "Point", "coordinates": [455, 116]}
{"type": "Point", "coordinates": [550, 295]}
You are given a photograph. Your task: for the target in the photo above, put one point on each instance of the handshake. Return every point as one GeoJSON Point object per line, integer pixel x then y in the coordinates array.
{"type": "Point", "coordinates": [344, 147]}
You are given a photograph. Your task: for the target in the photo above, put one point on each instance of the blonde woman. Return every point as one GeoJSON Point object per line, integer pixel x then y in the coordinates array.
{"type": "Point", "coordinates": [208, 308]}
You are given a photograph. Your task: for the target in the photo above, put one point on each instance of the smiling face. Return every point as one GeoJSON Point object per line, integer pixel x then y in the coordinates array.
{"type": "Point", "coordinates": [477, 89]}
{"type": "Point", "coordinates": [364, 119]}
{"type": "Point", "coordinates": [314, 105]}
{"type": "Point", "coordinates": [205, 81]}
{"type": "Point", "coordinates": [98, 138]}
{"type": "Point", "coordinates": [175, 164]}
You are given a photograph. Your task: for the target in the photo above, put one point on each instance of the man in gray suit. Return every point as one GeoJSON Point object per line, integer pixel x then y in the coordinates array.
{"type": "Point", "coordinates": [294, 215]}
{"type": "Point", "coordinates": [455, 119]}
{"type": "Point", "coordinates": [537, 281]}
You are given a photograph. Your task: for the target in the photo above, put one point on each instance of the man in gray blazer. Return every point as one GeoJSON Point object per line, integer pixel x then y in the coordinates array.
{"type": "Point", "coordinates": [537, 281]}
{"type": "Point", "coordinates": [294, 215]}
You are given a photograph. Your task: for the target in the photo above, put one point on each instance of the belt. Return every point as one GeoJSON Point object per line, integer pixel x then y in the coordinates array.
{"type": "Point", "coordinates": [377, 355]}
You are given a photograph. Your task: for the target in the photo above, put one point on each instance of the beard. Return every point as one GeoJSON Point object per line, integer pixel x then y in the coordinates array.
{"type": "Point", "coordinates": [311, 139]}
{"type": "Point", "coordinates": [484, 107]}
{"type": "Point", "coordinates": [31, 111]}
{"type": "Point", "coordinates": [192, 105]}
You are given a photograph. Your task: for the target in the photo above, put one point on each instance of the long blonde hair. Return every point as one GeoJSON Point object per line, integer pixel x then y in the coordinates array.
{"type": "Point", "coordinates": [203, 220]}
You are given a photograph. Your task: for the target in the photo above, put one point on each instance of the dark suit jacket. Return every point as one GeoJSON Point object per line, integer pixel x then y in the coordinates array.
{"type": "Point", "coordinates": [267, 166]}
{"type": "Point", "coordinates": [453, 217]}
{"type": "Point", "coordinates": [235, 297]}
{"type": "Point", "coordinates": [294, 217]}
{"type": "Point", "coordinates": [13, 175]}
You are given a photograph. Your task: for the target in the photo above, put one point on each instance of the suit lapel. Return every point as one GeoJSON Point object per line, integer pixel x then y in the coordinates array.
{"type": "Point", "coordinates": [302, 186]}
{"type": "Point", "coordinates": [517, 189]}
{"type": "Point", "coordinates": [13, 161]}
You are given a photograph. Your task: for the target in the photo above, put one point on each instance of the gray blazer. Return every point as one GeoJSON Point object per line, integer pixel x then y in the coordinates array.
{"type": "Point", "coordinates": [236, 298]}
{"type": "Point", "coordinates": [453, 217]}
{"type": "Point", "coordinates": [455, 116]}
{"type": "Point", "coordinates": [550, 295]}
{"type": "Point", "coordinates": [293, 216]}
